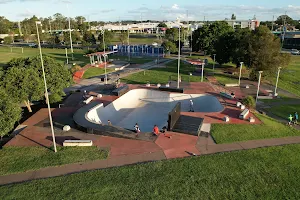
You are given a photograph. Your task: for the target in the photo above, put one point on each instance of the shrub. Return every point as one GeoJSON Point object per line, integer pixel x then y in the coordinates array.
{"type": "Point", "coordinates": [75, 69]}
{"type": "Point", "coordinates": [249, 101]}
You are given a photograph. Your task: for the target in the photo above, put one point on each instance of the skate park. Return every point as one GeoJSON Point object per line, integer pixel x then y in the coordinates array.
{"type": "Point", "coordinates": [148, 108]}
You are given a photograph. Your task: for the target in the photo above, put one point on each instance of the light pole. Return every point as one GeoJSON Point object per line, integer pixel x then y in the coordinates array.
{"type": "Point", "coordinates": [278, 73]}
{"type": "Point", "coordinates": [45, 83]}
{"type": "Point", "coordinates": [67, 56]}
{"type": "Point", "coordinates": [259, 79]}
{"type": "Point", "coordinates": [179, 46]}
{"type": "Point", "coordinates": [128, 44]}
{"type": "Point", "coordinates": [214, 62]}
{"type": "Point", "coordinates": [241, 66]}
{"type": "Point", "coordinates": [70, 33]}
{"type": "Point", "coordinates": [202, 71]}
{"type": "Point", "coordinates": [191, 42]}
{"type": "Point", "coordinates": [104, 54]}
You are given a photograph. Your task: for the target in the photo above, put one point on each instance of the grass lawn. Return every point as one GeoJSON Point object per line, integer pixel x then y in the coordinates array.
{"type": "Point", "coordinates": [226, 79]}
{"type": "Point", "coordinates": [22, 159]}
{"type": "Point", "coordinates": [284, 111]}
{"type": "Point", "coordinates": [267, 173]}
{"type": "Point", "coordinates": [137, 39]}
{"type": "Point", "coordinates": [58, 54]}
{"type": "Point", "coordinates": [290, 77]}
{"type": "Point", "coordinates": [270, 128]}
{"type": "Point", "coordinates": [94, 71]}
{"type": "Point", "coordinates": [161, 75]}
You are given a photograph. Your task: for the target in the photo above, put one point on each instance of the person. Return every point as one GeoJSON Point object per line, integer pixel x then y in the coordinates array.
{"type": "Point", "coordinates": [155, 130]}
{"type": "Point", "coordinates": [109, 123]}
{"type": "Point", "coordinates": [290, 119]}
{"type": "Point", "coordinates": [232, 94]}
{"type": "Point", "coordinates": [137, 128]}
{"type": "Point", "coordinates": [296, 117]}
{"type": "Point", "coordinates": [164, 129]}
{"type": "Point", "coordinates": [191, 106]}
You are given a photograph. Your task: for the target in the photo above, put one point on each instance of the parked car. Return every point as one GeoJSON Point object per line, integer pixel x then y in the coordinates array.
{"type": "Point", "coordinates": [295, 52]}
{"type": "Point", "coordinates": [32, 45]}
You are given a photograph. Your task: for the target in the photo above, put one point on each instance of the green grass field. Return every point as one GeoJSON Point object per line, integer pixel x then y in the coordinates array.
{"type": "Point", "coordinates": [137, 39]}
{"type": "Point", "coordinates": [284, 111]}
{"type": "Point", "coordinates": [267, 173]}
{"type": "Point", "coordinates": [92, 72]}
{"type": "Point", "coordinates": [58, 54]}
{"type": "Point", "coordinates": [270, 128]}
{"type": "Point", "coordinates": [226, 79]}
{"type": "Point", "coordinates": [22, 159]}
{"type": "Point", "coordinates": [161, 75]}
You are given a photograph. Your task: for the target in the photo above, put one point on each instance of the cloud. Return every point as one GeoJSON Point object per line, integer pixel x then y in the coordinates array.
{"type": "Point", "coordinates": [175, 7]}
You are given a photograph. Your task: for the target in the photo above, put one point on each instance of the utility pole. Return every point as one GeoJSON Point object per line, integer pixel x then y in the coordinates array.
{"type": "Point", "coordinates": [20, 30]}
{"type": "Point", "coordinates": [272, 24]}
{"type": "Point", "coordinates": [50, 25]}
{"type": "Point", "coordinates": [179, 46]}
{"type": "Point", "coordinates": [284, 29]}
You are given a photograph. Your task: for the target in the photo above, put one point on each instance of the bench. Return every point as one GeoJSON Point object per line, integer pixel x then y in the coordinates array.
{"type": "Point", "coordinates": [120, 91]}
{"type": "Point", "coordinates": [251, 119]}
{"type": "Point", "coordinates": [228, 96]}
{"type": "Point", "coordinates": [87, 101]}
{"type": "Point", "coordinates": [78, 143]}
{"type": "Point", "coordinates": [226, 119]}
{"type": "Point", "coordinates": [244, 114]}
{"type": "Point", "coordinates": [171, 89]}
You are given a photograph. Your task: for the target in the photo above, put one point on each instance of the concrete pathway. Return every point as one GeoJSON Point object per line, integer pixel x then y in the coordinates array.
{"type": "Point", "coordinates": [204, 146]}
{"type": "Point", "coordinates": [92, 83]}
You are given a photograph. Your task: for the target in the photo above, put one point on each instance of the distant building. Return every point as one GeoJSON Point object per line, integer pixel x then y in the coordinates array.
{"type": "Point", "coordinates": [251, 24]}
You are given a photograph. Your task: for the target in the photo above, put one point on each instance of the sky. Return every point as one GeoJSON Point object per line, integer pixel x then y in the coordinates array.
{"type": "Point", "coordinates": [115, 10]}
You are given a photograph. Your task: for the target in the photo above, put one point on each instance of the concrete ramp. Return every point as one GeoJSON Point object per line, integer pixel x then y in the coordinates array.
{"type": "Point", "coordinates": [148, 108]}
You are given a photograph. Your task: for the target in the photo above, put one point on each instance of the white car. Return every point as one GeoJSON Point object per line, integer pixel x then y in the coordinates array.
{"type": "Point", "coordinates": [32, 45]}
{"type": "Point", "coordinates": [295, 52]}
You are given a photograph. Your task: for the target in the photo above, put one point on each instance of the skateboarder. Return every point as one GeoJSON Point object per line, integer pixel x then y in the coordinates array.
{"type": "Point", "coordinates": [155, 130]}
{"type": "Point", "coordinates": [192, 106]}
{"type": "Point", "coordinates": [137, 128]}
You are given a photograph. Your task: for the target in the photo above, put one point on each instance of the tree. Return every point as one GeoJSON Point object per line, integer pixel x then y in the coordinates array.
{"type": "Point", "coordinates": [7, 40]}
{"type": "Point", "coordinates": [240, 45]}
{"type": "Point", "coordinates": [282, 18]}
{"type": "Point", "coordinates": [25, 79]}
{"type": "Point", "coordinates": [24, 85]}
{"type": "Point", "coordinates": [233, 17]}
{"type": "Point", "coordinates": [264, 52]}
{"type": "Point", "coordinates": [5, 25]}
{"type": "Point", "coordinates": [10, 113]}
{"type": "Point", "coordinates": [123, 37]}
{"type": "Point", "coordinates": [89, 38]}
{"type": "Point", "coordinates": [108, 37]}
{"type": "Point", "coordinates": [162, 25]}
{"type": "Point", "coordinates": [172, 34]}
{"type": "Point", "coordinates": [224, 48]}
{"type": "Point", "coordinates": [170, 47]}
{"type": "Point", "coordinates": [204, 38]}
